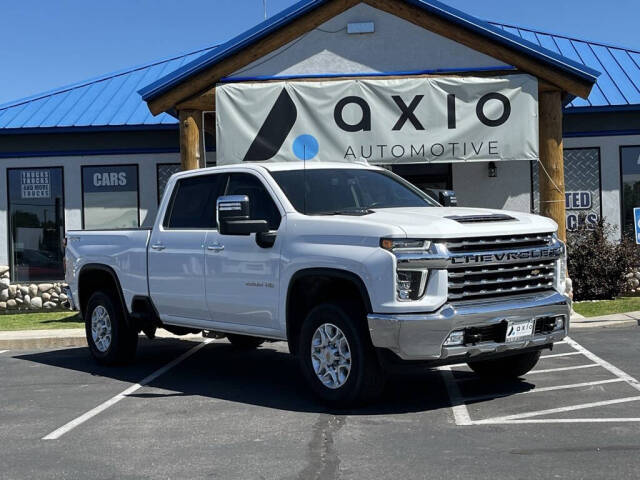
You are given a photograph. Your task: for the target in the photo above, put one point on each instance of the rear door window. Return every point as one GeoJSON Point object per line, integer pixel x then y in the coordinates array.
{"type": "Point", "coordinates": [193, 203]}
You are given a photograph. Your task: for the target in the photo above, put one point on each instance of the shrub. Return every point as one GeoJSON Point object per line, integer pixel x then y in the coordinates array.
{"type": "Point", "coordinates": [597, 264]}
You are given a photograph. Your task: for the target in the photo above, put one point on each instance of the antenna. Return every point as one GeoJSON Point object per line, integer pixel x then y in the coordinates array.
{"type": "Point", "coordinates": [264, 4]}
{"type": "Point", "coordinates": [304, 177]}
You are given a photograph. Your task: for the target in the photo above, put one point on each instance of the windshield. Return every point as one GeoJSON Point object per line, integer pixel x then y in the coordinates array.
{"type": "Point", "coordinates": [344, 191]}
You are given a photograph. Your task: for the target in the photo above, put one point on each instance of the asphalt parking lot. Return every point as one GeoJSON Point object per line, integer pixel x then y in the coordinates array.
{"type": "Point", "coordinates": [203, 410]}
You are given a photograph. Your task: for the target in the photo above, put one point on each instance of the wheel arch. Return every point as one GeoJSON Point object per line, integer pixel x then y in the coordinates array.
{"type": "Point", "coordinates": [94, 277]}
{"type": "Point", "coordinates": [311, 286]}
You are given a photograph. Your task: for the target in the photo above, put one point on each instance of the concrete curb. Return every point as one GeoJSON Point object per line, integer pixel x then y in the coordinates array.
{"type": "Point", "coordinates": [72, 337]}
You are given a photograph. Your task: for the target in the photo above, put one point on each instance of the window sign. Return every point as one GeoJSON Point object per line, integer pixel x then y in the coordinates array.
{"type": "Point", "coordinates": [630, 172]}
{"type": "Point", "coordinates": [35, 184]}
{"type": "Point", "coordinates": [36, 224]}
{"type": "Point", "coordinates": [582, 187]}
{"type": "Point", "coordinates": [110, 197]}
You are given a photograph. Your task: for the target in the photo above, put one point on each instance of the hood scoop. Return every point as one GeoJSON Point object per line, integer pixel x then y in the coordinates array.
{"type": "Point", "coordinates": [492, 217]}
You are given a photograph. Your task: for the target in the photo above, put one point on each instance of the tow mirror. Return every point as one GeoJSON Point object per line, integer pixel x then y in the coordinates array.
{"type": "Point", "coordinates": [234, 219]}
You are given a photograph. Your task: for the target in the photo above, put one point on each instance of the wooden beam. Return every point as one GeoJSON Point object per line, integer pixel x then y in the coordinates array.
{"type": "Point", "coordinates": [205, 101]}
{"type": "Point", "coordinates": [270, 43]}
{"type": "Point", "coordinates": [477, 42]}
{"type": "Point", "coordinates": [206, 79]}
{"type": "Point", "coordinates": [551, 172]}
{"type": "Point", "coordinates": [191, 146]}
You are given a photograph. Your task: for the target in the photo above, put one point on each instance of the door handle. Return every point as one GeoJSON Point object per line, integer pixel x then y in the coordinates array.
{"type": "Point", "coordinates": [158, 246]}
{"type": "Point", "coordinates": [215, 248]}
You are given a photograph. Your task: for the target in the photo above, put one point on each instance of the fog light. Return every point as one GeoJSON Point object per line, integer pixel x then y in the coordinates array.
{"type": "Point", "coordinates": [455, 338]}
{"type": "Point", "coordinates": [559, 325]}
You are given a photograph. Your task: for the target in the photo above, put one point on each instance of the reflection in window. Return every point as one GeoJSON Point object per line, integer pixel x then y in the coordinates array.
{"type": "Point", "coordinates": [630, 170]}
{"type": "Point", "coordinates": [36, 223]}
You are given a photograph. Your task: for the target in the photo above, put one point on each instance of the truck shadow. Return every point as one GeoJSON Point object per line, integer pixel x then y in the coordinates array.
{"type": "Point", "coordinates": [266, 377]}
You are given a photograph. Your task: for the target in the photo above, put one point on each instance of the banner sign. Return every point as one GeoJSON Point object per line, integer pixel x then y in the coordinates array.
{"type": "Point", "coordinates": [35, 184]}
{"type": "Point", "coordinates": [382, 121]}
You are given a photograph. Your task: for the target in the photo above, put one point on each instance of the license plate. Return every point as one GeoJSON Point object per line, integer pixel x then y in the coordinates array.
{"type": "Point", "coordinates": [519, 330]}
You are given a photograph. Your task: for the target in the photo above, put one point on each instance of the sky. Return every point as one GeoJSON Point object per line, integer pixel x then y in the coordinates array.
{"type": "Point", "coordinates": [46, 44]}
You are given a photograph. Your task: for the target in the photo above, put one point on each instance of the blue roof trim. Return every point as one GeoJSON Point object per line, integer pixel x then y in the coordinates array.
{"type": "Point", "coordinates": [254, 34]}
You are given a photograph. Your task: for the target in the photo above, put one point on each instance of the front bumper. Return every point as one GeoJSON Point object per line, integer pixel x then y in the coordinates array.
{"type": "Point", "coordinates": [421, 336]}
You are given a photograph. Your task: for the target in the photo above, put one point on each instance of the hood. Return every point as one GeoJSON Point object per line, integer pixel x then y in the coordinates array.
{"type": "Point", "coordinates": [433, 222]}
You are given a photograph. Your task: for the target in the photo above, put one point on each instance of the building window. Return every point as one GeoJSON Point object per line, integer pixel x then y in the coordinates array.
{"type": "Point", "coordinates": [36, 223]}
{"type": "Point", "coordinates": [163, 173]}
{"type": "Point", "coordinates": [110, 197]}
{"type": "Point", "coordinates": [630, 176]}
{"type": "Point", "coordinates": [583, 189]}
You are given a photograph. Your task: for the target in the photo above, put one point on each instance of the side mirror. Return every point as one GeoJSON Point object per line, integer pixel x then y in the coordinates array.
{"type": "Point", "coordinates": [448, 198]}
{"type": "Point", "coordinates": [233, 216]}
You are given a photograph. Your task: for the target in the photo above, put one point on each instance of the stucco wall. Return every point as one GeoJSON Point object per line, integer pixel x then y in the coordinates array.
{"type": "Point", "coordinates": [510, 190]}
{"type": "Point", "coordinates": [396, 45]}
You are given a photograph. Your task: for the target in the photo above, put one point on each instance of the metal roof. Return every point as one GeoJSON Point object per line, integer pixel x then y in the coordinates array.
{"type": "Point", "coordinates": [112, 101]}
{"type": "Point", "coordinates": [107, 101]}
{"type": "Point", "coordinates": [618, 86]}
{"type": "Point", "coordinates": [494, 33]}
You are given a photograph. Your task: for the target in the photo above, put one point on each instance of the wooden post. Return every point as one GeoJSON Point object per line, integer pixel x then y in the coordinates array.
{"type": "Point", "coordinates": [191, 142]}
{"type": "Point", "coordinates": [551, 171]}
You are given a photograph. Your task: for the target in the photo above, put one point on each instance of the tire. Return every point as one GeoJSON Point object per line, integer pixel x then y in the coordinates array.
{"type": "Point", "coordinates": [510, 367]}
{"type": "Point", "coordinates": [121, 346]}
{"type": "Point", "coordinates": [359, 379]}
{"type": "Point", "coordinates": [244, 342]}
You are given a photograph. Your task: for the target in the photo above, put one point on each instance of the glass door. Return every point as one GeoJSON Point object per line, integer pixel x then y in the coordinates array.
{"type": "Point", "coordinates": [36, 224]}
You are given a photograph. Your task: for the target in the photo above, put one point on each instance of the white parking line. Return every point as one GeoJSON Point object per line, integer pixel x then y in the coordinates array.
{"type": "Point", "coordinates": [556, 420]}
{"type": "Point", "coordinates": [576, 367]}
{"type": "Point", "coordinates": [459, 409]}
{"type": "Point", "coordinates": [543, 389]}
{"type": "Point", "coordinates": [113, 400]}
{"type": "Point", "coordinates": [561, 354]}
{"type": "Point", "coordinates": [4, 351]}
{"type": "Point", "coordinates": [550, 411]}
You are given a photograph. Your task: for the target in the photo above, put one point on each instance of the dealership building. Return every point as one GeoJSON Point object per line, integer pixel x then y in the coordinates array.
{"type": "Point", "coordinates": [92, 155]}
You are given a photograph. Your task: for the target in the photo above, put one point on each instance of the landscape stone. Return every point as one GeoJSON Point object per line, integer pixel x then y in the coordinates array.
{"type": "Point", "coordinates": [50, 305]}
{"type": "Point", "coordinates": [24, 290]}
{"type": "Point", "coordinates": [36, 302]}
{"type": "Point", "coordinates": [19, 301]}
{"type": "Point", "coordinates": [44, 287]}
{"type": "Point", "coordinates": [4, 294]}
{"type": "Point", "coordinates": [5, 281]}
{"type": "Point", "coordinates": [33, 290]}
{"type": "Point", "coordinates": [63, 297]}
{"type": "Point", "coordinates": [3, 305]}
{"type": "Point", "coordinates": [12, 290]}
{"type": "Point", "coordinates": [4, 269]}
{"type": "Point", "coordinates": [45, 296]}
{"type": "Point", "coordinates": [11, 304]}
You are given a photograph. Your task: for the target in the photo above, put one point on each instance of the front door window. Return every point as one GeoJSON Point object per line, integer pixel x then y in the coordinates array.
{"type": "Point", "coordinates": [36, 224]}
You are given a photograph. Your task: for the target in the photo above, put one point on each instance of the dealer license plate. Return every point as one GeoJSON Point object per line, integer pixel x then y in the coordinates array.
{"type": "Point", "coordinates": [517, 331]}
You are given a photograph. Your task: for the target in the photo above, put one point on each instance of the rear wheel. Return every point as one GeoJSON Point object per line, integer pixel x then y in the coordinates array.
{"type": "Point", "coordinates": [110, 339]}
{"type": "Point", "coordinates": [337, 357]}
{"type": "Point", "coordinates": [513, 366]}
{"type": "Point", "coordinates": [244, 342]}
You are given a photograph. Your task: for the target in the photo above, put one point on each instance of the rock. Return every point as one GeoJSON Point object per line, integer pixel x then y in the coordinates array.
{"type": "Point", "coordinates": [5, 281]}
{"type": "Point", "coordinates": [11, 304]}
{"type": "Point", "coordinates": [24, 290]}
{"type": "Point", "coordinates": [63, 297]}
{"type": "Point", "coordinates": [635, 283]}
{"type": "Point", "coordinates": [637, 275]}
{"type": "Point", "coordinates": [58, 289]}
{"type": "Point", "coordinates": [54, 296]}
{"type": "Point", "coordinates": [628, 275]}
{"type": "Point", "coordinates": [33, 290]}
{"type": "Point", "coordinates": [19, 301]}
{"type": "Point", "coordinates": [5, 275]}
{"type": "Point", "coordinates": [45, 296]}
{"type": "Point", "coordinates": [4, 269]}
{"type": "Point", "coordinates": [36, 302]}
{"type": "Point", "coordinates": [27, 300]}
{"type": "Point", "coordinates": [4, 294]}
{"type": "Point", "coordinates": [45, 287]}
{"type": "Point", "coordinates": [12, 290]}
{"type": "Point", "coordinates": [50, 305]}
{"type": "Point", "coordinates": [3, 305]}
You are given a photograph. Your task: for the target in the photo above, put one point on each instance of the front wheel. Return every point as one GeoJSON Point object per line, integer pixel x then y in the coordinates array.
{"type": "Point", "coordinates": [110, 339]}
{"type": "Point", "coordinates": [336, 356]}
{"type": "Point", "coordinates": [510, 367]}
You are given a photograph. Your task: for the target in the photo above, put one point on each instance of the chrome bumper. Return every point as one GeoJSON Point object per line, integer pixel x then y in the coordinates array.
{"type": "Point", "coordinates": [421, 336]}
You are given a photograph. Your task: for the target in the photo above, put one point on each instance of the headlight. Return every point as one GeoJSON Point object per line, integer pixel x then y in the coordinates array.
{"type": "Point", "coordinates": [411, 283]}
{"type": "Point", "coordinates": [561, 269]}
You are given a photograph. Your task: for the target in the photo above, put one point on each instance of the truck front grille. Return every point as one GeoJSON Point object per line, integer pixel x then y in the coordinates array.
{"type": "Point", "coordinates": [485, 281]}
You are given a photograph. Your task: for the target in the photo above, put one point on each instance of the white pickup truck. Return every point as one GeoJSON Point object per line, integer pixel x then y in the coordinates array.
{"type": "Point", "coordinates": [358, 270]}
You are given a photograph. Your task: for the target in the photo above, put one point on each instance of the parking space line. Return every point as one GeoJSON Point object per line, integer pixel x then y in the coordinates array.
{"type": "Point", "coordinates": [556, 420]}
{"type": "Point", "coordinates": [576, 367]}
{"type": "Point", "coordinates": [113, 400]}
{"type": "Point", "coordinates": [555, 355]}
{"type": "Point", "coordinates": [543, 389]}
{"type": "Point", "coordinates": [458, 407]}
{"type": "Point", "coordinates": [569, 408]}
{"type": "Point", "coordinates": [604, 364]}
{"type": "Point", "coordinates": [4, 351]}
